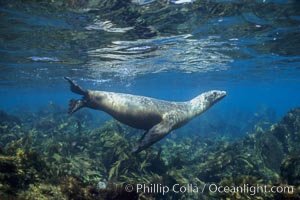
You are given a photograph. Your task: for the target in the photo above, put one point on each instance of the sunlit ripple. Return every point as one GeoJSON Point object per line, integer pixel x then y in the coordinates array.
{"type": "Point", "coordinates": [178, 53]}
{"type": "Point", "coordinates": [107, 26]}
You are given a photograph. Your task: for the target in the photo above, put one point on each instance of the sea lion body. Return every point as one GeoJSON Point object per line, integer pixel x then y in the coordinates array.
{"type": "Point", "coordinates": [136, 111]}
{"type": "Point", "coordinates": [157, 117]}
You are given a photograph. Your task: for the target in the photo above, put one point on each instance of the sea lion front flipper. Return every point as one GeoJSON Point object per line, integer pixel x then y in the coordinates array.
{"type": "Point", "coordinates": [155, 134]}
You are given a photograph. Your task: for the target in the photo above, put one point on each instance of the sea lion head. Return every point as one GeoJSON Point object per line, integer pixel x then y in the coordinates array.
{"type": "Point", "coordinates": [213, 96]}
{"type": "Point", "coordinates": [205, 100]}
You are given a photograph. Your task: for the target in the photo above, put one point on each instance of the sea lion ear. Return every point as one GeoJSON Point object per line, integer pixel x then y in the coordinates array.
{"type": "Point", "coordinates": [152, 136]}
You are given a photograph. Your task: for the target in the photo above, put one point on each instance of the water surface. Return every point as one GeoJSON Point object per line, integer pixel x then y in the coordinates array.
{"type": "Point", "coordinates": [171, 50]}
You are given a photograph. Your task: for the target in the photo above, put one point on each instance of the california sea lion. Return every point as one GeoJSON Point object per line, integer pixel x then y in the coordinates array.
{"type": "Point", "coordinates": [157, 117]}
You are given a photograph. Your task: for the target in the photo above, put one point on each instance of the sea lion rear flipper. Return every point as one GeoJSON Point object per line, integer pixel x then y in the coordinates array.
{"type": "Point", "coordinates": [75, 105]}
{"type": "Point", "coordinates": [155, 134]}
{"type": "Point", "coordinates": [75, 88]}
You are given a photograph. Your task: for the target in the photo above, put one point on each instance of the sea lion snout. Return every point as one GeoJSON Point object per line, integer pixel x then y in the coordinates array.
{"type": "Point", "coordinates": [220, 94]}
{"type": "Point", "coordinates": [214, 96]}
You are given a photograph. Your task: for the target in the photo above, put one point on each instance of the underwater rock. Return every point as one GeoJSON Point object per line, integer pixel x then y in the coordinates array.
{"type": "Point", "coordinates": [290, 170]}
{"type": "Point", "coordinates": [288, 132]}
{"type": "Point", "coordinates": [281, 141]}
{"type": "Point", "coordinates": [5, 117]}
{"type": "Point", "coordinates": [271, 151]}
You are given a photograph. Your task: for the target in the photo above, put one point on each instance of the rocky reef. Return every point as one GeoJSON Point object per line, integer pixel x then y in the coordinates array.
{"type": "Point", "coordinates": [49, 155]}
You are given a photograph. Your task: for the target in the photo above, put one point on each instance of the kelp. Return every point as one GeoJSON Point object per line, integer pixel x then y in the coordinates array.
{"type": "Point", "coordinates": [53, 156]}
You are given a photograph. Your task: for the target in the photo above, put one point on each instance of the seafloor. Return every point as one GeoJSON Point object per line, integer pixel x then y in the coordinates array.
{"type": "Point", "coordinates": [50, 155]}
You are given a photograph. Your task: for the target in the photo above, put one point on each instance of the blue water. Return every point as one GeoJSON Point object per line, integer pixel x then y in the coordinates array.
{"type": "Point", "coordinates": [169, 51]}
